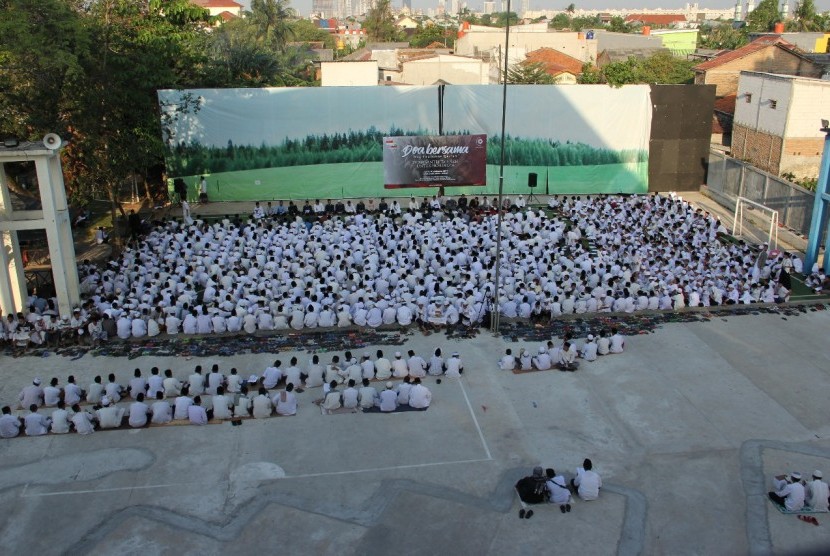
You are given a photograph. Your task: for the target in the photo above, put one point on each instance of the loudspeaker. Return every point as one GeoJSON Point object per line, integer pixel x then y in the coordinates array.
{"type": "Point", "coordinates": [531, 179]}
{"type": "Point", "coordinates": [52, 141]}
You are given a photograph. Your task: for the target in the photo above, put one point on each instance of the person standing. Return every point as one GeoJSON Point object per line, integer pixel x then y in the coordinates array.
{"type": "Point", "coordinates": [203, 190]}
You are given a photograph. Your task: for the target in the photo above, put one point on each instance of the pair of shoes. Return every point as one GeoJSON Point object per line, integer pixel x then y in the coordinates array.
{"type": "Point", "coordinates": [529, 514]}
{"type": "Point", "coordinates": [562, 509]}
{"type": "Point", "coordinates": [567, 507]}
{"type": "Point", "coordinates": [808, 519]}
{"type": "Point", "coordinates": [522, 513]}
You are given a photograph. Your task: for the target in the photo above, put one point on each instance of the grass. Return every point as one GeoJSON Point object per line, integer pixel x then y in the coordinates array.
{"type": "Point", "coordinates": [365, 179]}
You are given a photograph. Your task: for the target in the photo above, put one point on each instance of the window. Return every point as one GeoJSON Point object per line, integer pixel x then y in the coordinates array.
{"type": "Point", "coordinates": [773, 104]}
{"type": "Point", "coordinates": [748, 97]}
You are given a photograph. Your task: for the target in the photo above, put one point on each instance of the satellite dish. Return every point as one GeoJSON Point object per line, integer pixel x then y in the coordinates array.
{"type": "Point", "coordinates": [52, 141]}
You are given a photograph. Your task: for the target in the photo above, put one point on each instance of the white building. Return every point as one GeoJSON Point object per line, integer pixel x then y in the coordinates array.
{"type": "Point", "coordinates": [455, 70]}
{"type": "Point", "coordinates": [345, 74]}
{"type": "Point", "coordinates": [777, 121]}
{"type": "Point", "coordinates": [488, 42]}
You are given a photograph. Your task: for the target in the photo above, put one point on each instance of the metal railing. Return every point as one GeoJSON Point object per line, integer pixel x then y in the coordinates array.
{"type": "Point", "coordinates": [729, 178]}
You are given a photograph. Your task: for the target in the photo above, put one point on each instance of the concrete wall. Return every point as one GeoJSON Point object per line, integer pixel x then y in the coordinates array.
{"type": "Point", "coordinates": [477, 43]}
{"type": "Point", "coordinates": [342, 74]}
{"type": "Point", "coordinates": [456, 70]}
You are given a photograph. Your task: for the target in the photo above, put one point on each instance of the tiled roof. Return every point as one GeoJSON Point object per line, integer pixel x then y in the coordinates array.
{"type": "Point", "coordinates": [227, 16]}
{"type": "Point", "coordinates": [554, 62]}
{"type": "Point", "coordinates": [755, 46]}
{"type": "Point", "coordinates": [726, 104]}
{"type": "Point", "coordinates": [656, 19]}
{"type": "Point", "coordinates": [217, 4]}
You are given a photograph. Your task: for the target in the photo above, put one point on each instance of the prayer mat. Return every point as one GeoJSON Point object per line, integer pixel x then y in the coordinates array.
{"type": "Point", "coordinates": [400, 409]}
{"type": "Point", "coordinates": [340, 411]}
{"type": "Point", "coordinates": [804, 510]}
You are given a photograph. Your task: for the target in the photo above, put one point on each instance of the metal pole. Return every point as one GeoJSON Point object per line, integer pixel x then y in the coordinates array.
{"type": "Point", "coordinates": [494, 325]}
{"type": "Point", "coordinates": [819, 207]}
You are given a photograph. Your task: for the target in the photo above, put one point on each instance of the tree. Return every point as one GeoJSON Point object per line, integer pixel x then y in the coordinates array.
{"type": "Point", "coordinates": [429, 34]}
{"type": "Point", "coordinates": [529, 74]}
{"type": "Point", "coordinates": [560, 21]}
{"type": "Point", "coordinates": [571, 8]}
{"type": "Point", "coordinates": [722, 37]}
{"type": "Point", "coordinates": [305, 31]}
{"type": "Point", "coordinates": [499, 19]}
{"type": "Point", "coordinates": [804, 17]}
{"type": "Point", "coordinates": [380, 23]}
{"type": "Point", "coordinates": [764, 17]}
{"type": "Point", "coordinates": [590, 75]}
{"type": "Point", "coordinates": [618, 25]}
{"type": "Point", "coordinates": [272, 19]}
{"type": "Point", "coordinates": [660, 68]}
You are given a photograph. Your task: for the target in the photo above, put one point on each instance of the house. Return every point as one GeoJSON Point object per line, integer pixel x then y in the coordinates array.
{"type": "Point", "coordinates": [488, 42]}
{"type": "Point", "coordinates": [226, 9]}
{"type": "Point", "coordinates": [362, 73]}
{"type": "Point", "coordinates": [818, 43]}
{"type": "Point", "coordinates": [664, 20]}
{"type": "Point", "coordinates": [563, 68]}
{"type": "Point", "coordinates": [447, 68]}
{"type": "Point", "coordinates": [777, 121]}
{"type": "Point", "coordinates": [722, 120]}
{"type": "Point", "coordinates": [769, 53]}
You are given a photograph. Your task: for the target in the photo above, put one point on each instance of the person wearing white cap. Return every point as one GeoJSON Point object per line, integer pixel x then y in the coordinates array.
{"type": "Point", "coordinates": [542, 360]}
{"type": "Point", "coordinates": [817, 493]}
{"type": "Point", "coordinates": [399, 367]}
{"type": "Point", "coordinates": [109, 415]}
{"type": "Point", "coordinates": [589, 349]}
{"type": "Point", "coordinates": [525, 360]}
{"type": "Point", "coordinates": [454, 366]}
{"type": "Point", "coordinates": [388, 399]}
{"type": "Point", "coordinates": [789, 492]}
{"type": "Point", "coordinates": [32, 394]}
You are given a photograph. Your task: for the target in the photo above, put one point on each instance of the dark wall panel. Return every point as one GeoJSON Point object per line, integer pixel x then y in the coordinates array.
{"type": "Point", "coordinates": [681, 130]}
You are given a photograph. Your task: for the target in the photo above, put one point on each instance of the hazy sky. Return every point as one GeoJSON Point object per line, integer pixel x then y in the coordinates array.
{"type": "Point", "coordinates": [304, 6]}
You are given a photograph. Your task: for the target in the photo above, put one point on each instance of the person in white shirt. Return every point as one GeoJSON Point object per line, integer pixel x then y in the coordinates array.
{"type": "Point", "coordinates": [113, 389]}
{"type": "Point", "coordinates": [419, 396]}
{"type": "Point", "coordinates": [262, 405]}
{"type": "Point", "coordinates": [567, 359]}
{"type": "Point", "coordinates": [587, 482]}
{"type": "Point", "coordinates": [109, 415]}
{"type": "Point", "coordinates": [196, 414]}
{"type": "Point", "coordinates": [367, 395]}
{"type": "Point", "coordinates": [603, 344]}
{"type": "Point", "coordinates": [285, 402]}
{"type": "Point", "coordinates": [161, 410]}
{"type": "Point", "coordinates": [72, 393]}
{"type": "Point", "coordinates": [82, 421]}
{"type": "Point", "coordinates": [138, 385]}
{"type": "Point", "coordinates": [31, 395]}
{"type": "Point", "coordinates": [525, 360]}
{"type": "Point", "coordinates": [383, 367]}
{"type": "Point", "coordinates": [404, 389]}
{"type": "Point", "coordinates": [51, 394]}
{"type": "Point", "coordinates": [817, 493]}
{"type": "Point", "coordinates": [617, 344]}
{"type": "Point", "coordinates": [388, 399]}
{"type": "Point", "coordinates": [558, 488]}
{"type": "Point", "coordinates": [234, 382]}
{"type": "Point", "coordinates": [243, 403]}
{"type": "Point", "coordinates": [36, 424]}
{"type": "Point", "coordinates": [61, 417]}
{"type": "Point", "coordinates": [139, 411]}
{"type": "Point", "coordinates": [272, 375]}
{"type": "Point", "coordinates": [9, 424]}
{"type": "Point", "coordinates": [454, 366]}
{"type": "Point", "coordinates": [789, 492]}
{"type": "Point", "coordinates": [589, 350]}
{"type": "Point", "coordinates": [542, 360]}
{"type": "Point", "coordinates": [214, 380]}
{"type": "Point", "coordinates": [293, 374]}
{"type": "Point", "coordinates": [399, 366]}
{"type": "Point", "coordinates": [314, 374]}
{"type": "Point", "coordinates": [222, 404]}
{"type": "Point", "coordinates": [333, 399]}
{"type": "Point", "coordinates": [350, 396]}
{"type": "Point", "coordinates": [196, 382]}
{"type": "Point", "coordinates": [181, 404]}
{"type": "Point", "coordinates": [436, 364]}
{"type": "Point", "coordinates": [172, 386]}
{"type": "Point", "coordinates": [508, 361]}
{"type": "Point", "coordinates": [95, 391]}
{"type": "Point", "coordinates": [155, 384]}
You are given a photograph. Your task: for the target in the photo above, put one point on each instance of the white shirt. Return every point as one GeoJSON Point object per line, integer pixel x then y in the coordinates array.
{"type": "Point", "coordinates": [420, 396]}
{"type": "Point", "coordinates": [507, 363]}
{"type": "Point", "coordinates": [162, 412]}
{"type": "Point", "coordinates": [817, 493]}
{"type": "Point", "coordinates": [222, 405]}
{"type": "Point", "coordinates": [197, 415]}
{"type": "Point", "coordinates": [181, 405]}
{"type": "Point", "coordinates": [83, 422]}
{"type": "Point", "coordinates": [388, 400]}
{"type": "Point", "coordinates": [36, 424]}
{"type": "Point", "coordinates": [287, 406]}
{"type": "Point", "coordinates": [588, 483]}
{"type": "Point", "coordinates": [138, 414]}
{"type": "Point", "coordinates": [60, 421]}
{"type": "Point", "coordinates": [454, 367]}
{"type": "Point", "coordinates": [794, 496]}
{"type": "Point", "coordinates": [262, 407]}
{"type": "Point", "coordinates": [9, 426]}
{"type": "Point", "coordinates": [271, 376]}
{"type": "Point", "coordinates": [617, 344]}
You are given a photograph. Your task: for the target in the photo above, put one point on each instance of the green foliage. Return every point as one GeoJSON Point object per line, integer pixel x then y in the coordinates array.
{"type": "Point", "coordinates": [304, 30]}
{"type": "Point", "coordinates": [272, 20]}
{"type": "Point", "coordinates": [499, 19]}
{"type": "Point", "coordinates": [425, 35]}
{"type": "Point", "coordinates": [722, 37]}
{"type": "Point", "coordinates": [585, 22]}
{"type": "Point", "coordinates": [660, 68]}
{"type": "Point", "coordinates": [560, 21]}
{"type": "Point", "coordinates": [764, 17]}
{"type": "Point", "coordinates": [380, 23]}
{"type": "Point", "coordinates": [591, 75]}
{"type": "Point", "coordinates": [529, 74]}
{"type": "Point", "coordinates": [805, 17]}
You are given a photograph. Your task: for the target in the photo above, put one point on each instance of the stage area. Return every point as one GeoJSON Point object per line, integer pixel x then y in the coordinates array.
{"type": "Point", "coordinates": [685, 429]}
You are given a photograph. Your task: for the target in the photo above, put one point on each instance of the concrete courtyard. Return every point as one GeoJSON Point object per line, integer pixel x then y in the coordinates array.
{"type": "Point", "coordinates": [685, 429]}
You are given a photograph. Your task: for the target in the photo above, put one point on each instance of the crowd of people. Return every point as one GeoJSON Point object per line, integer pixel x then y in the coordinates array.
{"type": "Point", "coordinates": [205, 396]}
{"type": "Point", "coordinates": [563, 357]}
{"type": "Point", "coordinates": [546, 486]}
{"type": "Point", "coordinates": [432, 264]}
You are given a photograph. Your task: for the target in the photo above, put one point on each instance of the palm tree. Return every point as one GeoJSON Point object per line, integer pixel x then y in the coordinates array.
{"type": "Point", "coordinates": [272, 18]}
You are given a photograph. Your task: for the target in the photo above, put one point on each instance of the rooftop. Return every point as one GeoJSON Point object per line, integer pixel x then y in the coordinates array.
{"type": "Point", "coordinates": [755, 46]}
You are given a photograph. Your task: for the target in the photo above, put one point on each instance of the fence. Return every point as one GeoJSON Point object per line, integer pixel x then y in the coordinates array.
{"type": "Point", "coordinates": [729, 178]}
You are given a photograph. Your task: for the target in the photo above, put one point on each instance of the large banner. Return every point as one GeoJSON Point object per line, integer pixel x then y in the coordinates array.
{"type": "Point", "coordinates": [429, 161]}
{"type": "Point", "coordinates": [328, 142]}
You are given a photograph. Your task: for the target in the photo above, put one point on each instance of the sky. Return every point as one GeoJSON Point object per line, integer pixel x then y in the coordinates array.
{"type": "Point", "coordinates": [304, 6]}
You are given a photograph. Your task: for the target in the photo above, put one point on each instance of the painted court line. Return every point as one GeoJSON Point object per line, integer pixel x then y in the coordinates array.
{"type": "Point", "coordinates": [475, 421]}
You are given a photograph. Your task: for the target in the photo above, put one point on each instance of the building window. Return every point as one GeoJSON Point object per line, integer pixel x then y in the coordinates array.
{"type": "Point", "coordinates": [748, 98]}
{"type": "Point", "coordinates": [773, 104]}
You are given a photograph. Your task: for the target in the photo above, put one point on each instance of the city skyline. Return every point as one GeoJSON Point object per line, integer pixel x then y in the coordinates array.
{"type": "Point", "coordinates": [303, 7]}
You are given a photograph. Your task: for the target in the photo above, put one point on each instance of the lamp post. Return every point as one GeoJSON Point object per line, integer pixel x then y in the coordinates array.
{"type": "Point", "coordinates": [820, 207]}
{"type": "Point", "coordinates": [494, 324]}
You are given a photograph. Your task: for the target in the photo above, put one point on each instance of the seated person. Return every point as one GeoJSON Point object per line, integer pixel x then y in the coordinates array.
{"type": "Point", "coordinates": [558, 488]}
{"type": "Point", "coordinates": [109, 415]}
{"type": "Point", "coordinates": [286, 401]}
{"type": "Point", "coordinates": [817, 492]}
{"type": "Point", "coordinates": [332, 401]}
{"type": "Point", "coordinates": [507, 362]}
{"type": "Point", "coordinates": [617, 343]}
{"type": "Point", "coordinates": [789, 492]}
{"type": "Point", "coordinates": [587, 482]}
{"type": "Point", "coordinates": [388, 399]}
{"type": "Point", "coordinates": [567, 359]}
{"type": "Point", "coordinates": [532, 490]}
{"type": "Point", "coordinates": [542, 361]}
